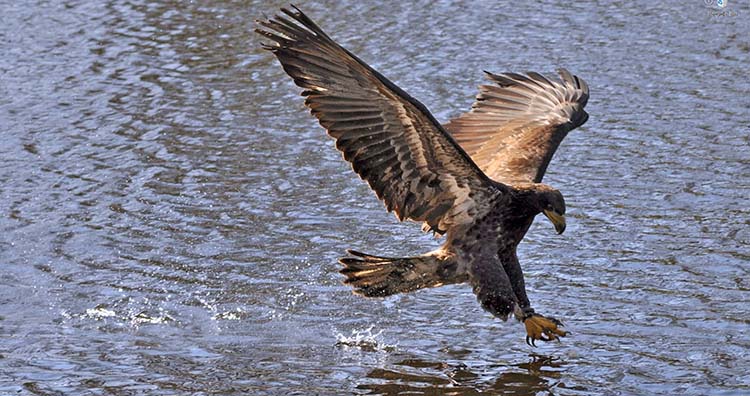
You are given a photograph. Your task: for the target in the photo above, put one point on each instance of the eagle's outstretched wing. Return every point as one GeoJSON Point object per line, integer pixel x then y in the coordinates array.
{"type": "Point", "coordinates": [391, 140]}
{"type": "Point", "coordinates": [514, 127]}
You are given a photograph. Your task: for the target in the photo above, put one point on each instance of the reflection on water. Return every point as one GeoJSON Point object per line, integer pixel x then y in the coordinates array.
{"type": "Point", "coordinates": [421, 377]}
{"type": "Point", "coordinates": [170, 215]}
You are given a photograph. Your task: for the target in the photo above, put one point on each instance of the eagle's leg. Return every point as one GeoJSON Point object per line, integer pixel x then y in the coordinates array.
{"type": "Point", "coordinates": [538, 327]}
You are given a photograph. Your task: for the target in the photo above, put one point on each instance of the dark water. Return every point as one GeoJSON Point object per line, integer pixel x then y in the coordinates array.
{"type": "Point", "coordinates": [170, 215]}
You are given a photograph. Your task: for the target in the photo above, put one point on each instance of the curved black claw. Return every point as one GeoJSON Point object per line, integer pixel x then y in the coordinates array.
{"type": "Point", "coordinates": [530, 341]}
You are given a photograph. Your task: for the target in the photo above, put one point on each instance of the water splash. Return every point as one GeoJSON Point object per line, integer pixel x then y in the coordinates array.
{"type": "Point", "coordinates": [365, 340]}
{"type": "Point", "coordinates": [236, 314]}
{"type": "Point", "coordinates": [144, 317]}
{"type": "Point", "coordinates": [99, 312]}
{"type": "Point", "coordinates": [121, 316]}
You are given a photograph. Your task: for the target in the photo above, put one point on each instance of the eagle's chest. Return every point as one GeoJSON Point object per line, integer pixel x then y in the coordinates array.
{"type": "Point", "coordinates": [500, 229]}
{"type": "Point", "coordinates": [509, 224]}
{"type": "Point", "coordinates": [502, 220]}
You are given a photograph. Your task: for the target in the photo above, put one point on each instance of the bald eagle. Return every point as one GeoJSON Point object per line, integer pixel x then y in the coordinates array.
{"type": "Point", "coordinates": [475, 180]}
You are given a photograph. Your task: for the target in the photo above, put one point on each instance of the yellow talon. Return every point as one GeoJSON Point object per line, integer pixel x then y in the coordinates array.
{"type": "Point", "coordinates": [540, 327]}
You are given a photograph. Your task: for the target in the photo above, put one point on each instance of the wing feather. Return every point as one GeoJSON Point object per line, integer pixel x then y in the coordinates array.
{"type": "Point", "coordinates": [391, 140]}
{"type": "Point", "coordinates": [514, 127]}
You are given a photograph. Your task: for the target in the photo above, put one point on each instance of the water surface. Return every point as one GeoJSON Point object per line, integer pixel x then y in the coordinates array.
{"type": "Point", "coordinates": [170, 215]}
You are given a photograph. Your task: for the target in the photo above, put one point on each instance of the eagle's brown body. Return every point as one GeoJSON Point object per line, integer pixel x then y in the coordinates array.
{"type": "Point", "coordinates": [476, 180]}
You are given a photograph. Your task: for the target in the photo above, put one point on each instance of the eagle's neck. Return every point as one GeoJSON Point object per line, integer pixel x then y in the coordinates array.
{"type": "Point", "coordinates": [526, 198]}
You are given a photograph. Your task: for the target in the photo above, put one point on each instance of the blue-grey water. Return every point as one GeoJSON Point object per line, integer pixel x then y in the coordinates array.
{"type": "Point", "coordinates": [171, 215]}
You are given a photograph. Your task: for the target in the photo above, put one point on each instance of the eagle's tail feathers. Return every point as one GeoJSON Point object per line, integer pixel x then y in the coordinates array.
{"type": "Point", "coordinates": [377, 276]}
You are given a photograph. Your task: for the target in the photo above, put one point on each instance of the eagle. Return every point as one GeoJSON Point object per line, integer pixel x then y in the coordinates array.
{"type": "Point", "coordinates": [476, 181]}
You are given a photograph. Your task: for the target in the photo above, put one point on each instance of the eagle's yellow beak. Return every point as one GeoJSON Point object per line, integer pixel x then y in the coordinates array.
{"type": "Point", "coordinates": [557, 219]}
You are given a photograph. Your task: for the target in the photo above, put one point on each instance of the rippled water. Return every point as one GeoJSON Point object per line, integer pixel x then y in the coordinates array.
{"type": "Point", "coordinates": [170, 215]}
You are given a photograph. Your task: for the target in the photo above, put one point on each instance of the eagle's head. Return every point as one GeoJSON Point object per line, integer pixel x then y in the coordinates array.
{"type": "Point", "coordinates": [543, 198]}
{"type": "Point", "coordinates": [552, 204]}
